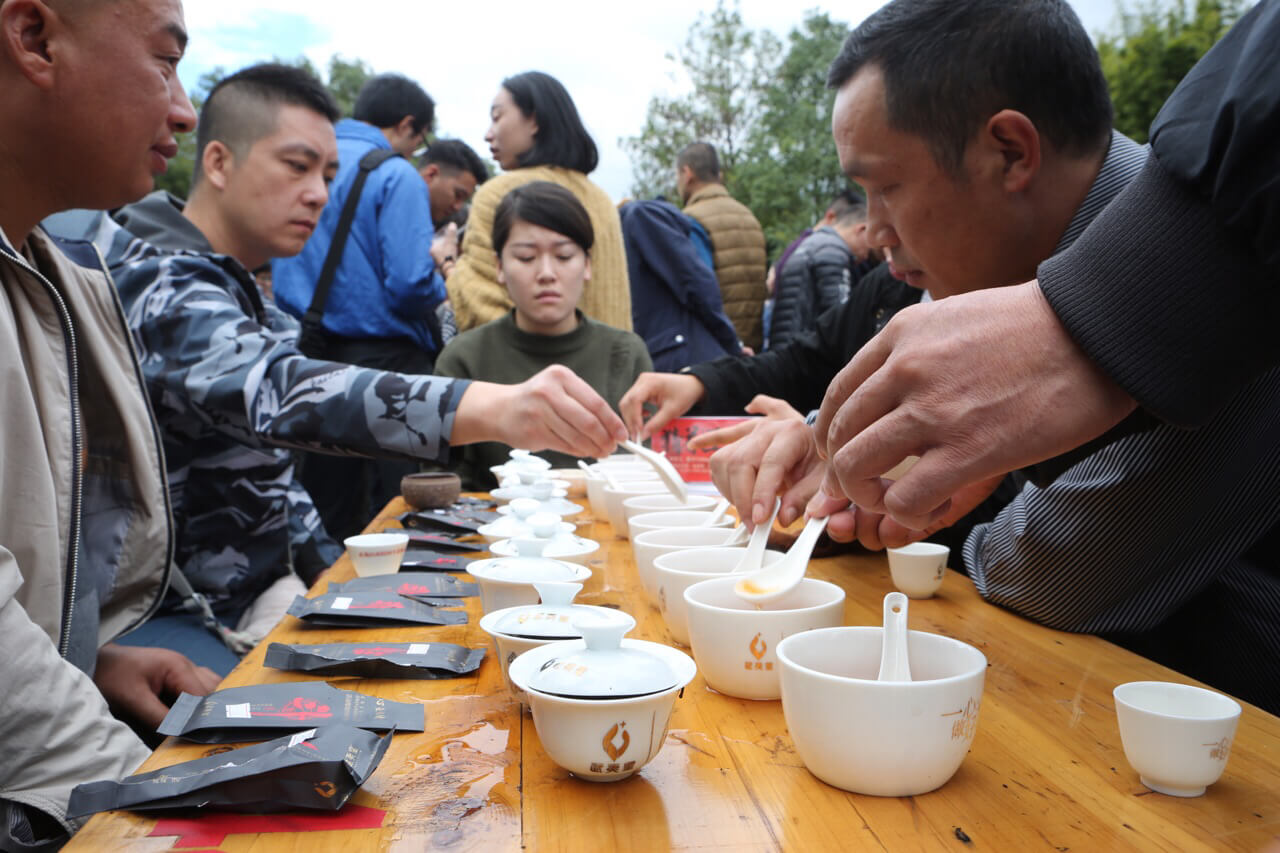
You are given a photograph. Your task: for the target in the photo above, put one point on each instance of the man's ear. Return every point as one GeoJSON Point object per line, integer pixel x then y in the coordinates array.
{"type": "Point", "coordinates": [216, 164]}
{"type": "Point", "coordinates": [26, 29]}
{"type": "Point", "coordinates": [430, 172]}
{"type": "Point", "coordinates": [1015, 139]}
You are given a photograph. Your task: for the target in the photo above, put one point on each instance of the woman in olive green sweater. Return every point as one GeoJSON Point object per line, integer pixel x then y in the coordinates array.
{"type": "Point", "coordinates": [542, 236]}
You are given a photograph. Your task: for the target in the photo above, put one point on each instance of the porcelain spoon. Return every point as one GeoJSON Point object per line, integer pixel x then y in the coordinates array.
{"type": "Point", "coordinates": [894, 665]}
{"type": "Point", "coordinates": [777, 580]}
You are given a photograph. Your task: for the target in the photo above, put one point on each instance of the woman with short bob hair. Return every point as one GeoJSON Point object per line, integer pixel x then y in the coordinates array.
{"type": "Point", "coordinates": [536, 134]}
{"type": "Point", "coordinates": [543, 240]}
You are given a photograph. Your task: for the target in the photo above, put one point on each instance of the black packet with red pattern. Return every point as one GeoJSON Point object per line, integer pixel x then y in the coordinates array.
{"type": "Point", "coordinates": [446, 521]}
{"type": "Point", "coordinates": [417, 560]}
{"type": "Point", "coordinates": [316, 769]}
{"type": "Point", "coordinates": [418, 585]}
{"type": "Point", "coordinates": [265, 710]}
{"type": "Point", "coordinates": [371, 609]}
{"type": "Point", "coordinates": [377, 660]}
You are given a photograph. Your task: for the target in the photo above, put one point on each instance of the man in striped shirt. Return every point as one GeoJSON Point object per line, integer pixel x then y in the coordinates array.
{"type": "Point", "coordinates": [1157, 538]}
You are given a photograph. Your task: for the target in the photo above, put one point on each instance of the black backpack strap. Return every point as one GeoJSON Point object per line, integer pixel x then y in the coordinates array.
{"type": "Point", "coordinates": [312, 320]}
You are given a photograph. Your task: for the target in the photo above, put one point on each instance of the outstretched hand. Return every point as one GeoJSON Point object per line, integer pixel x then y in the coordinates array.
{"type": "Point", "coordinates": [761, 404]}
{"type": "Point", "coordinates": [778, 458]}
{"type": "Point", "coordinates": [976, 385]}
{"type": "Point", "coordinates": [136, 680]}
{"type": "Point", "coordinates": [672, 393]}
{"type": "Point", "coordinates": [553, 410]}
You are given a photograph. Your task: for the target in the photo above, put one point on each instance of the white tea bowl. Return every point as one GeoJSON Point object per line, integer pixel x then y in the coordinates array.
{"type": "Point", "coordinates": [376, 553]}
{"type": "Point", "coordinates": [679, 570]}
{"type": "Point", "coordinates": [1177, 736]}
{"type": "Point", "coordinates": [884, 738]}
{"type": "Point", "coordinates": [650, 544]}
{"type": "Point", "coordinates": [735, 642]}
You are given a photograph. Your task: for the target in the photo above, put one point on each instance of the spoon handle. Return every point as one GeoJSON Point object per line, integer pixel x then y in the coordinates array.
{"type": "Point", "coordinates": [754, 555]}
{"type": "Point", "coordinates": [808, 537]}
{"type": "Point", "coordinates": [894, 665]}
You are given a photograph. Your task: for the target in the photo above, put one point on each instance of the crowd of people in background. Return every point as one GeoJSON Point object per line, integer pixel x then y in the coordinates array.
{"type": "Point", "coordinates": [215, 390]}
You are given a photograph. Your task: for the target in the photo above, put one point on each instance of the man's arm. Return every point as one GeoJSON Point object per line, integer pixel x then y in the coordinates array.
{"type": "Point", "coordinates": [57, 730]}
{"type": "Point", "coordinates": [405, 239]}
{"type": "Point", "coordinates": [1127, 536]}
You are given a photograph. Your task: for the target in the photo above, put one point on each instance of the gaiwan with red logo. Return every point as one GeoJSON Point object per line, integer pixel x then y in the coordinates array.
{"type": "Point", "coordinates": [601, 704]}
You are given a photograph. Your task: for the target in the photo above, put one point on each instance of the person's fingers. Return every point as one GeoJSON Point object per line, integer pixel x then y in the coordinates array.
{"type": "Point", "coordinates": [864, 363]}
{"type": "Point", "coordinates": [146, 706]}
{"type": "Point", "coordinates": [868, 494]}
{"type": "Point", "coordinates": [867, 530]}
{"type": "Point", "coordinates": [668, 410]}
{"type": "Point", "coordinates": [822, 504]}
{"type": "Point", "coordinates": [771, 407]}
{"type": "Point", "coordinates": [724, 435]}
{"type": "Point", "coordinates": [183, 676]}
{"type": "Point", "coordinates": [576, 411]}
{"type": "Point", "coordinates": [894, 535]}
{"type": "Point", "coordinates": [842, 525]}
{"type": "Point", "coordinates": [923, 495]}
{"type": "Point", "coordinates": [209, 680]}
{"type": "Point", "coordinates": [632, 405]}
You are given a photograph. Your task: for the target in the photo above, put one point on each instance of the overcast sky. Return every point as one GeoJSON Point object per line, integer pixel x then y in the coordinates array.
{"type": "Point", "coordinates": [611, 62]}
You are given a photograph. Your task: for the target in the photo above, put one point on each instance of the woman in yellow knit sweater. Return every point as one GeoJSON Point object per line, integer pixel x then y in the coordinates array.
{"type": "Point", "coordinates": [536, 135]}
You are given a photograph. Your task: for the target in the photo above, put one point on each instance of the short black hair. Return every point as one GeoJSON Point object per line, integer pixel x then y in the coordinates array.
{"type": "Point", "coordinates": [949, 65]}
{"type": "Point", "coordinates": [547, 204]}
{"type": "Point", "coordinates": [456, 155]}
{"type": "Point", "coordinates": [385, 100]}
{"type": "Point", "coordinates": [848, 206]}
{"type": "Point", "coordinates": [561, 140]}
{"type": "Point", "coordinates": [700, 157]}
{"type": "Point", "coordinates": [243, 108]}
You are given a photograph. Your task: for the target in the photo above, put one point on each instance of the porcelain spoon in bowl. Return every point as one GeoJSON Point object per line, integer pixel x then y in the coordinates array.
{"type": "Point", "coordinates": [666, 471]}
{"type": "Point", "coordinates": [783, 576]}
{"type": "Point", "coordinates": [754, 555]}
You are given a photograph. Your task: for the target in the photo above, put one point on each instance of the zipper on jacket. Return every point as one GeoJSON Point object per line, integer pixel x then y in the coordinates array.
{"type": "Point", "coordinates": [77, 480]}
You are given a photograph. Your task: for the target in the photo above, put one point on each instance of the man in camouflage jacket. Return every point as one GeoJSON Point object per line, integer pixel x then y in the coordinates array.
{"type": "Point", "coordinates": [233, 396]}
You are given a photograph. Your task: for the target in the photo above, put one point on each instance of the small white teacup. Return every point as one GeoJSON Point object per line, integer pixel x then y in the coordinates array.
{"type": "Point", "coordinates": [918, 569]}
{"type": "Point", "coordinates": [680, 570]}
{"type": "Point", "coordinates": [734, 640]}
{"type": "Point", "coordinates": [376, 553]}
{"type": "Point", "coordinates": [613, 498]}
{"type": "Point", "coordinates": [1177, 736]}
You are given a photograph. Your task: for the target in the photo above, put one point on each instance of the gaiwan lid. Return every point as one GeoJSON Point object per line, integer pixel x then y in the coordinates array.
{"type": "Point", "coordinates": [524, 569]}
{"type": "Point", "coordinates": [525, 520]}
{"type": "Point", "coordinates": [550, 620]}
{"type": "Point", "coordinates": [604, 668]}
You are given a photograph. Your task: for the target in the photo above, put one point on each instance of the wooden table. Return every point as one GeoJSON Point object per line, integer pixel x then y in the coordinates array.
{"type": "Point", "coordinates": [1046, 770]}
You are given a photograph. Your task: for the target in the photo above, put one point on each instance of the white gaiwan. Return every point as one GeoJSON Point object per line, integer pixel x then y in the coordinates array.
{"type": "Point", "coordinates": [540, 489]}
{"type": "Point", "coordinates": [516, 630]}
{"type": "Point", "coordinates": [554, 502]}
{"type": "Point", "coordinates": [601, 704]}
{"type": "Point", "coordinates": [517, 522]}
{"type": "Point", "coordinates": [548, 538]}
{"type": "Point", "coordinates": [508, 581]}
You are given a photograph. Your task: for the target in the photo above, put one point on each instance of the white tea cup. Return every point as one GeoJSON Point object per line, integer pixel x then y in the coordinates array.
{"type": "Point", "coordinates": [376, 553]}
{"type": "Point", "coordinates": [1177, 736]}
{"type": "Point", "coordinates": [918, 569]}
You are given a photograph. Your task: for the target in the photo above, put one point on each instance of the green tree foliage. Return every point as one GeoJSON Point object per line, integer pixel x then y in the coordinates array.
{"type": "Point", "coordinates": [728, 67]}
{"type": "Point", "coordinates": [1154, 49]}
{"type": "Point", "coordinates": [765, 106]}
{"type": "Point", "coordinates": [344, 81]}
{"type": "Point", "coordinates": [791, 171]}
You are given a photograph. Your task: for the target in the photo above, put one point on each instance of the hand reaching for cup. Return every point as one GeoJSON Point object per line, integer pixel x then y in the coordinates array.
{"type": "Point", "coordinates": [672, 393]}
{"type": "Point", "coordinates": [761, 404]}
{"type": "Point", "coordinates": [553, 410]}
{"type": "Point", "coordinates": [777, 457]}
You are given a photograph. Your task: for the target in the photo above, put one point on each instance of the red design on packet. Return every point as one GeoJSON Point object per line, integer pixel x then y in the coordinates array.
{"type": "Point", "coordinates": [693, 465]}
{"type": "Point", "coordinates": [414, 589]}
{"type": "Point", "coordinates": [212, 829]}
{"type": "Point", "coordinates": [300, 708]}
{"type": "Point", "coordinates": [378, 605]}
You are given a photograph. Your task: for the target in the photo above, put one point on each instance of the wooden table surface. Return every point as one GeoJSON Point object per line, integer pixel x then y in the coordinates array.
{"type": "Point", "coordinates": [1046, 770]}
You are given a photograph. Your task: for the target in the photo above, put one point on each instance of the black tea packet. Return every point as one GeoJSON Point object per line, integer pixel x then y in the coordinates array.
{"type": "Point", "coordinates": [264, 710]}
{"type": "Point", "coordinates": [417, 585]}
{"type": "Point", "coordinates": [425, 560]}
{"type": "Point", "coordinates": [377, 660]}
{"type": "Point", "coordinates": [316, 769]}
{"type": "Point", "coordinates": [371, 609]}
{"type": "Point", "coordinates": [437, 540]}
{"type": "Point", "coordinates": [440, 520]}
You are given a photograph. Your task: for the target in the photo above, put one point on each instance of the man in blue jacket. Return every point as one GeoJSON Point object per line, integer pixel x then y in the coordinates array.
{"type": "Point", "coordinates": [380, 310]}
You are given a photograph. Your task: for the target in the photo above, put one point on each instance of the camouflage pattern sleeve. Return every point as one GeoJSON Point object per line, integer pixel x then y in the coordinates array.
{"type": "Point", "coordinates": [211, 355]}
